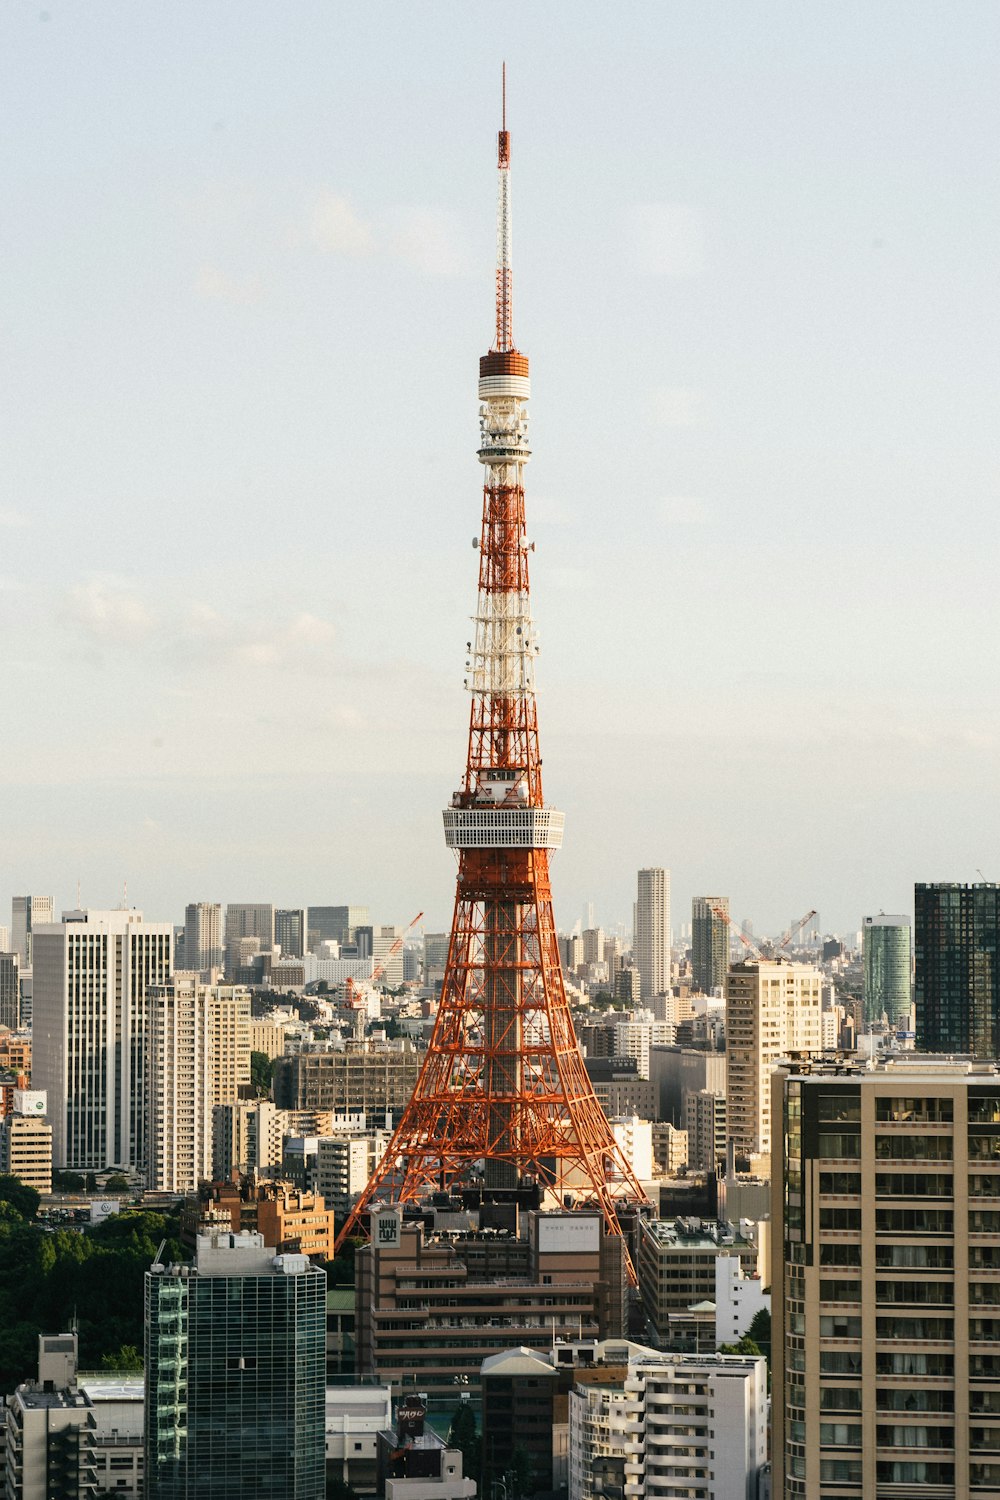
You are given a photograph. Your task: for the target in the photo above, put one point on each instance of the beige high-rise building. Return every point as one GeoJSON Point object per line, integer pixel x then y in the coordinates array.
{"type": "Point", "coordinates": [203, 949]}
{"type": "Point", "coordinates": [652, 932]}
{"type": "Point", "coordinates": [884, 1279]}
{"type": "Point", "coordinates": [773, 1008]}
{"type": "Point", "coordinates": [198, 1056]}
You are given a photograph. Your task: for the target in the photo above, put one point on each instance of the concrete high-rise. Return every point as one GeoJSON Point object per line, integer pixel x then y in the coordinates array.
{"type": "Point", "coordinates": [203, 950]}
{"type": "Point", "coordinates": [652, 932]}
{"type": "Point", "coordinates": [26, 913]}
{"type": "Point", "coordinates": [235, 1374]}
{"type": "Point", "coordinates": [10, 990]}
{"type": "Point", "coordinates": [709, 943]}
{"type": "Point", "coordinates": [885, 1257]}
{"type": "Point", "coordinates": [957, 984]}
{"type": "Point", "coordinates": [337, 924]}
{"type": "Point", "coordinates": [773, 1007]}
{"type": "Point", "coordinates": [886, 949]}
{"type": "Point", "coordinates": [92, 972]}
{"type": "Point", "coordinates": [250, 919]}
{"type": "Point", "coordinates": [198, 1056]}
{"type": "Point", "coordinates": [290, 931]}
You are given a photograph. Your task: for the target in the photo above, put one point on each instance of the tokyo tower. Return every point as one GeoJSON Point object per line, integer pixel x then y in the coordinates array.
{"type": "Point", "coordinates": [503, 1089]}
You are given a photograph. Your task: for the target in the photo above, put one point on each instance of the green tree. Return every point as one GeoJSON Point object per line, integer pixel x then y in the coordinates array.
{"type": "Point", "coordinates": [261, 1071]}
{"type": "Point", "coordinates": [117, 1183]}
{"type": "Point", "coordinates": [127, 1358]}
{"type": "Point", "coordinates": [19, 1195]}
{"type": "Point", "coordinates": [462, 1435]}
{"type": "Point", "coordinates": [67, 1182]}
{"type": "Point", "coordinates": [760, 1332]}
{"type": "Point", "coordinates": [746, 1345]}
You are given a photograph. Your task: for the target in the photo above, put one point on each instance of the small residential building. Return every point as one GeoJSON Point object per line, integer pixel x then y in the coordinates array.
{"type": "Point", "coordinates": [26, 1140]}
{"type": "Point", "coordinates": [414, 1463]}
{"type": "Point", "coordinates": [355, 1415]}
{"type": "Point", "coordinates": [739, 1297]}
{"type": "Point", "coordinates": [676, 1264]}
{"type": "Point", "coordinates": [49, 1432]}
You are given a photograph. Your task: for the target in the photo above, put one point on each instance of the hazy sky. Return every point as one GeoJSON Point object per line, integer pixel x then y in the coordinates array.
{"type": "Point", "coordinates": [247, 258]}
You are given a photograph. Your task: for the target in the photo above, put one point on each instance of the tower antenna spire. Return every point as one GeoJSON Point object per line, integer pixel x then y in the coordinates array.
{"type": "Point", "coordinates": [505, 303]}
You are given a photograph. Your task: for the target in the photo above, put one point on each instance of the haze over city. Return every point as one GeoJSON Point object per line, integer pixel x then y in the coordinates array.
{"type": "Point", "coordinates": [248, 253]}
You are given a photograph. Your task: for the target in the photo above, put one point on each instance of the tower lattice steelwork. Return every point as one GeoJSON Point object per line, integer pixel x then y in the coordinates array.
{"type": "Point", "coordinates": [503, 1083]}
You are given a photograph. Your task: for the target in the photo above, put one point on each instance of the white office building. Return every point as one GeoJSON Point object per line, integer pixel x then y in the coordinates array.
{"type": "Point", "coordinates": [92, 972]}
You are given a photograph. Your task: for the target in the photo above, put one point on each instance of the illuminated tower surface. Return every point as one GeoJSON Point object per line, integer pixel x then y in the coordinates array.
{"type": "Point", "coordinates": [503, 1093]}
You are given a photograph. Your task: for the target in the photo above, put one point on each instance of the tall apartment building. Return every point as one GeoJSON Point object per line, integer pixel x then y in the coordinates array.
{"type": "Point", "coordinates": [198, 1056]}
{"type": "Point", "coordinates": [10, 990]}
{"type": "Point", "coordinates": [235, 1374]}
{"type": "Point", "coordinates": [709, 943]}
{"type": "Point", "coordinates": [705, 1121]}
{"type": "Point", "coordinates": [203, 947]}
{"type": "Point", "coordinates": [27, 912]}
{"type": "Point", "coordinates": [92, 972]}
{"type": "Point", "coordinates": [290, 931]}
{"type": "Point", "coordinates": [652, 932]}
{"type": "Point", "coordinates": [337, 924]}
{"type": "Point", "coordinates": [673, 1424]}
{"type": "Point", "coordinates": [773, 1008]}
{"type": "Point", "coordinates": [888, 965]}
{"type": "Point", "coordinates": [957, 989]}
{"type": "Point", "coordinates": [885, 1297]}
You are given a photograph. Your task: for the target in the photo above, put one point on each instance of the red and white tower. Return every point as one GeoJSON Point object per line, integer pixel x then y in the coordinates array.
{"type": "Point", "coordinates": [503, 1089]}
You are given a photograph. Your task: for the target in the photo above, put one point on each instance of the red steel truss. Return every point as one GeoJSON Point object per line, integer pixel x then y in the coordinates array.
{"type": "Point", "coordinates": [503, 1094]}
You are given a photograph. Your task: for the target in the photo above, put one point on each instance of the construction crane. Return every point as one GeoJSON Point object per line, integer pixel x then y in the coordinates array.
{"type": "Point", "coordinates": [795, 929]}
{"type": "Point", "coordinates": [723, 916]}
{"type": "Point", "coordinates": [379, 969]}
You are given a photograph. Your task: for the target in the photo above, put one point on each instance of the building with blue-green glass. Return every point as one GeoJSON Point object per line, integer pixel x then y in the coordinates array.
{"type": "Point", "coordinates": [887, 954]}
{"type": "Point", "coordinates": [957, 977]}
{"type": "Point", "coordinates": [235, 1374]}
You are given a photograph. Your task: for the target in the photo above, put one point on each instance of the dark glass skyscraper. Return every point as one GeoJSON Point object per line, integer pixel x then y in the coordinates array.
{"type": "Point", "coordinates": [957, 949]}
{"type": "Point", "coordinates": [235, 1375]}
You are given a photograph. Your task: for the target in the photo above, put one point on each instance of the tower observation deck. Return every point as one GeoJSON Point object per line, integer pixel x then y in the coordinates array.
{"type": "Point", "coordinates": [503, 1097]}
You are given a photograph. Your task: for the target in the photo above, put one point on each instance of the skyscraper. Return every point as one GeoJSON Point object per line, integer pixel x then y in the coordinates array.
{"type": "Point", "coordinates": [198, 1056]}
{"type": "Point", "coordinates": [26, 913]}
{"type": "Point", "coordinates": [290, 931]}
{"type": "Point", "coordinates": [885, 1335]}
{"type": "Point", "coordinates": [91, 974]}
{"type": "Point", "coordinates": [709, 943]}
{"type": "Point", "coordinates": [336, 924]}
{"type": "Point", "coordinates": [235, 1374]}
{"type": "Point", "coordinates": [885, 946]}
{"type": "Point", "coordinates": [10, 991]}
{"type": "Point", "coordinates": [203, 937]}
{"type": "Point", "coordinates": [773, 1007]}
{"type": "Point", "coordinates": [652, 932]}
{"type": "Point", "coordinates": [251, 919]}
{"type": "Point", "coordinates": [957, 989]}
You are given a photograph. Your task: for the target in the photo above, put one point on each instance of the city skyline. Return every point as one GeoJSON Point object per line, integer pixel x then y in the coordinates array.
{"type": "Point", "coordinates": [212, 575]}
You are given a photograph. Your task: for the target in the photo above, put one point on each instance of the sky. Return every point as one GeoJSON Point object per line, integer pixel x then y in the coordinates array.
{"type": "Point", "coordinates": [247, 258]}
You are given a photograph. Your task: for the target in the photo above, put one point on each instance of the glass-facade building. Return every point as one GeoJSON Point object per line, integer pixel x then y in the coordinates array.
{"type": "Point", "coordinates": [709, 943]}
{"type": "Point", "coordinates": [235, 1374]}
{"type": "Point", "coordinates": [886, 950]}
{"type": "Point", "coordinates": [957, 981]}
